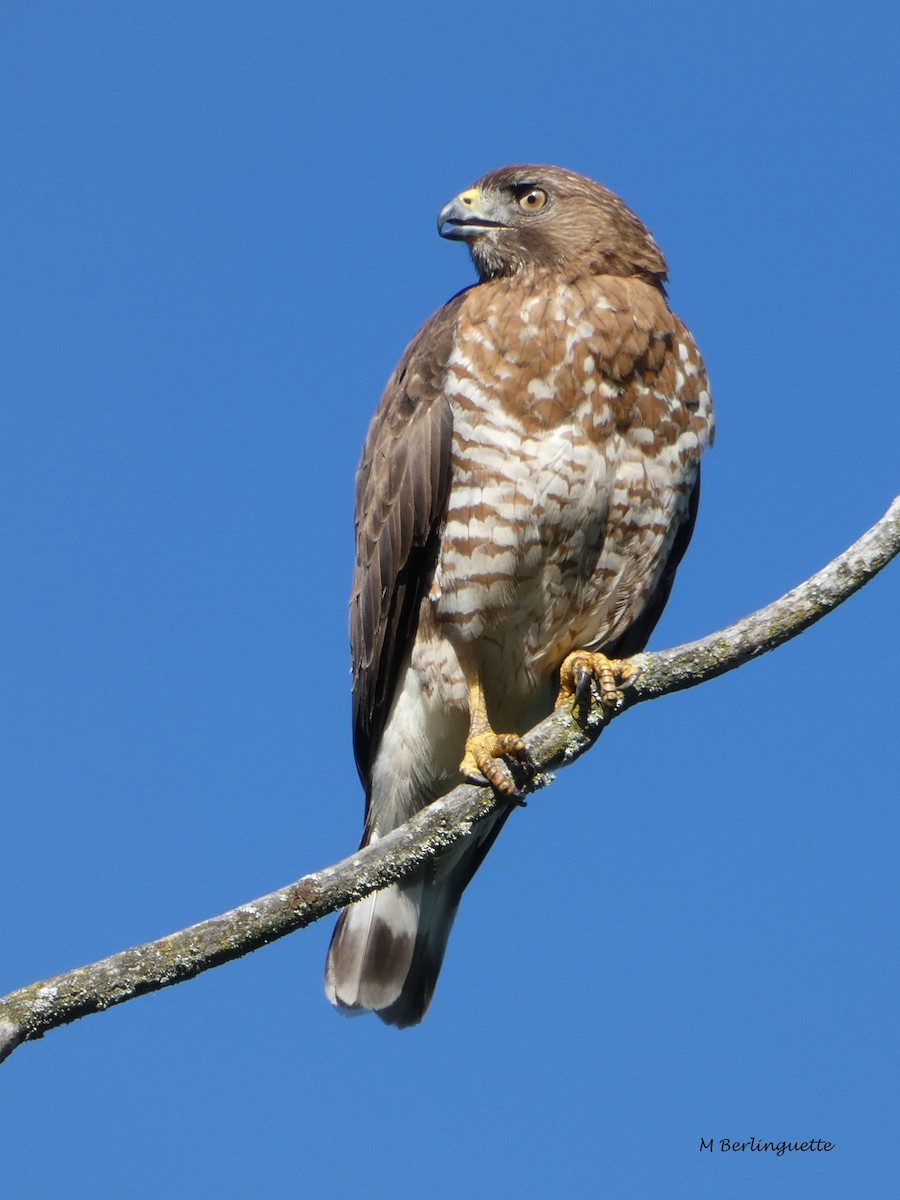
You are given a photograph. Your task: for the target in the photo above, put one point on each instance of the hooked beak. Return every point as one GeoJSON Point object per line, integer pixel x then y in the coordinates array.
{"type": "Point", "coordinates": [467, 216]}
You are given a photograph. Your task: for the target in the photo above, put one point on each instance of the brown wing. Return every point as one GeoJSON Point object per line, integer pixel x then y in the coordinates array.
{"type": "Point", "coordinates": [659, 377]}
{"type": "Point", "coordinates": [401, 498]}
{"type": "Point", "coordinates": [637, 635]}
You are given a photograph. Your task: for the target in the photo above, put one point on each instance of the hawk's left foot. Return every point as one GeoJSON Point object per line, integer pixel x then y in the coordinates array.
{"type": "Point", "coordinates": [610, 675]}
{"type": "Point", "coordinates": [483, 759]}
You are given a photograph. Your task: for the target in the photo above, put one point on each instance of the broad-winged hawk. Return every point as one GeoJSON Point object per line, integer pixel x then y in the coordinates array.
{"type": "Point", "coordinates": [527, 489]}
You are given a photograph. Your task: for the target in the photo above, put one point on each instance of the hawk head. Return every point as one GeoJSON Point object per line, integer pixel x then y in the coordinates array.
{"type": "Point", "coordinates": [531, 217]}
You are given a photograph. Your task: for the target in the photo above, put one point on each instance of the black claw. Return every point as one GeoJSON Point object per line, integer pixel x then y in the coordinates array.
{"type": "Point", "coordinates": [583, 685]}
{"type": "Point", "coordinates": [523, 769]}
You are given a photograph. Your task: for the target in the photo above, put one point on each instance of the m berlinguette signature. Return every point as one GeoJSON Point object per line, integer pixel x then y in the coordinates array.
{"type": "Point", "coordinates": [777, 1148]}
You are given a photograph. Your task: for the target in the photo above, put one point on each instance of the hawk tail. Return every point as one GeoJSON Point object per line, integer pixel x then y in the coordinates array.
{"type": "Point", "coordinates": [387, 950]}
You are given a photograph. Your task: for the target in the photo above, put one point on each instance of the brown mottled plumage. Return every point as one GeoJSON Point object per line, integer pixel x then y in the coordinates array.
{"type": "Point", "coordinates": [527, 489]}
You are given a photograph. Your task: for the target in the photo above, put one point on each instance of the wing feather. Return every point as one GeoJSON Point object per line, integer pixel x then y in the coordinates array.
{"type": "Point", "coordinates": [401, 498]}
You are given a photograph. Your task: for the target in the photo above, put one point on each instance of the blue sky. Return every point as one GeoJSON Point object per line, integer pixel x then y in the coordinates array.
{"type": "Point", "coordinates": [218, 226]}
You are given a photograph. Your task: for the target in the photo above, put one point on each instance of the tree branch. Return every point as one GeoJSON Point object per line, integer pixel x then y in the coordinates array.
{"type": "Point", "coordinates": [29, 1013]}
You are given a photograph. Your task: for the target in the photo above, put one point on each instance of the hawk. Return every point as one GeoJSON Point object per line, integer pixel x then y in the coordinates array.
{"type": "Point", "coordinates": [527, 489]}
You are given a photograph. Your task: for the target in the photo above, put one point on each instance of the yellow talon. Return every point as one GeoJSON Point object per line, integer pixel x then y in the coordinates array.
{"type": "Point", "coordinates": [610, 675]}
{"type": "Point", "coordinates": [485, 750]}
{"type": "Point", "coordinates": [484, 756]}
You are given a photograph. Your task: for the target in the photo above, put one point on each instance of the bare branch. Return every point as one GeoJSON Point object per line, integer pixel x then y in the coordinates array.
{"type": "Point", "coordinates": [29, 1013]}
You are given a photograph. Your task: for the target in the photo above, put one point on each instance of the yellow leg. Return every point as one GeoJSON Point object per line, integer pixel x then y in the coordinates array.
{"type": "Point", "coordinates": [485, 750]}
{"type": "Point", "coordinates": [610, 674]}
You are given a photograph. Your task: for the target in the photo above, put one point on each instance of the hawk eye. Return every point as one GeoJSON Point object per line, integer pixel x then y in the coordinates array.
{"type": "Point", "coordinates": [531, 199]}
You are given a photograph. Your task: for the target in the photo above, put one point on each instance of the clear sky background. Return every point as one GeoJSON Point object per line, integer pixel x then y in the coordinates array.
{"type": "Point", "coordinates": [218, 226]}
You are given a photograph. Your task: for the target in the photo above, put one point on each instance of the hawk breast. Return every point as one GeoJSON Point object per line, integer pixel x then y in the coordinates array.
{"type": "Point", "coordinates": [577, 428]}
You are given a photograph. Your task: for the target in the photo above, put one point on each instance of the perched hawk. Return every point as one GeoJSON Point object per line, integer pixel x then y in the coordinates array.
{"type": "Point", "coordinates": [526, 492]}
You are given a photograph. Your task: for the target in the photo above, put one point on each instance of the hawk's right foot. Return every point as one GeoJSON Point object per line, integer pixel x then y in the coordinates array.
{"type": "Point", "coordinates": [483, 759]}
